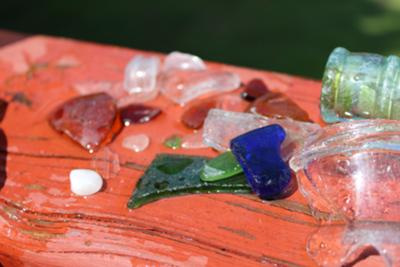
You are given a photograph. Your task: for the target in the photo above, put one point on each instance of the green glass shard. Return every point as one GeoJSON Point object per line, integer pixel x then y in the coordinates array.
{"type": "Point", "coordinates": [173, 175]}
{"type": "Point", "coordinates": [221, 167]}
{"type": "Point", "coordinates": [174, 142]}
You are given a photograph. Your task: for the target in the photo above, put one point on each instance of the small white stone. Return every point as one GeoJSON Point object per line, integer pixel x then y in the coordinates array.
{"type": "Point", "coordinates": [85, 182]}
{"type": "Point", "coordinates": [137, 143]}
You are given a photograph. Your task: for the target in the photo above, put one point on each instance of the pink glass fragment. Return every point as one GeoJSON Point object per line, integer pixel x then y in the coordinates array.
{"type": "Point", "coordinates": [88, 120]}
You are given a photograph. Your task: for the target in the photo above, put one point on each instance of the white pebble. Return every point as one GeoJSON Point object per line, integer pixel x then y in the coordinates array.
{"type": "Point", "coordinates": [85, 182]}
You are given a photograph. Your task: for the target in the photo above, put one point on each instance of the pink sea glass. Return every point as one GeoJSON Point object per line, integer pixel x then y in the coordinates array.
{"type": "Point", "coordinates": [352, 172]}
{"type": "Point", "coordinates": [88, 120]}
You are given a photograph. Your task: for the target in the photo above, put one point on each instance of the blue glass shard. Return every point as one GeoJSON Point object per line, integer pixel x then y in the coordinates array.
{"type": "Point", "coordinates": [258, 152]}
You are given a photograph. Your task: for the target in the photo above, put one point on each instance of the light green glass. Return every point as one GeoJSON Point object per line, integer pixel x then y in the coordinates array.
{"type": "Point", "coordinates": [360, 85]}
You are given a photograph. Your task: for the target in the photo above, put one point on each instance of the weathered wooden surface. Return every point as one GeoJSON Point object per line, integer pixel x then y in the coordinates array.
{"type": "Point", "coordinates": [43, 224]}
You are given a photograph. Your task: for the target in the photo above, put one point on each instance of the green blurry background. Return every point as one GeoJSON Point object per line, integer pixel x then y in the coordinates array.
{"type": "Point", "coordinates": [290, 36]}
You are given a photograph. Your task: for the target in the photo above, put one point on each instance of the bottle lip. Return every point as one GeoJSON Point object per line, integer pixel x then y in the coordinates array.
{"type": "Point", "coordinates": [347, 137]}
{"type": "Point", "coordinates": [331, 83]}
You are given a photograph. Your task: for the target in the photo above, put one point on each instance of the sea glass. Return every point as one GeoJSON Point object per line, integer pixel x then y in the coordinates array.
{"type": "Point", "coordinates": [195, 114]}
{"type": "Point", "coordinates": [141, 78]}
{"type": "Point", "coordinates": [182, 86]}
{"type": "Point", "coordinates": [138, 113]}
{"type": "Point", "coordinates": [278, 105]}
{"type": "Point", "coordinates": [185, 77]}
{"type": "Point", "coordinates": [182, 61]}
{"type": "Point", "coordinates": [360, 85]}
{"type": "Point", "coordinates": [136, 142]}
{"type": "Point", "coordinates": [350, 170]}
{"type": "Point", "coordinates": [173, 141]}
{"type": "Point", "coordinates": [88, 120]}
{"type": "Point", "coordinates": [254, 89]}
{"type": "Point", "coordinates": [174, 175]}
{"type": "Point", "coordinates": [259, 154]}
{"type": "Point", "coordinates": [221, 126]}
{"type": "Point", "coordinates": [193, 140]}
{"type": "Point", "coordinates": [220, 167]}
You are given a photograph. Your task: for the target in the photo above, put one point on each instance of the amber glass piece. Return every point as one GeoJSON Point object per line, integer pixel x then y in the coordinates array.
{"type": "Point", "coordinates": [195, 115]}
{"type": "Point", "coordinates": [88, 120]}
{"type": "Point", "coordinates": [278, 105]}
{"type": "Point", "coordinates": [254, 89]}
{"type": "Point", "coordinates": [137, 113]}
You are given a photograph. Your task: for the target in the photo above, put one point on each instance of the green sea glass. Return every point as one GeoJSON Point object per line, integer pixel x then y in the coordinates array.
{"type": "Point", "coordinates": [360, 85]}
{"type": "Point", "coordinates": [173, 175]}
{"type": "Point", "coordinates": [174, 142]}
{"type": "Point", "coordinates": [221, 167]}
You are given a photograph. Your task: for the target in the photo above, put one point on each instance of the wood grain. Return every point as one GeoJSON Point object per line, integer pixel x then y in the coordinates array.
{"type": "Point", "coordinates": [43, 224]}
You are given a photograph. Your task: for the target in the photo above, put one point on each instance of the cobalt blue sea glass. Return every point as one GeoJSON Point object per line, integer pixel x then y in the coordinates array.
{"type": "Point", "coordinates": [258, 152]}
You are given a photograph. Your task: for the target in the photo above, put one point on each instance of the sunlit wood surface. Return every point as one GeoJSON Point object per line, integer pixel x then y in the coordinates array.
{"type": "Point", "coordinates": [43, 224]}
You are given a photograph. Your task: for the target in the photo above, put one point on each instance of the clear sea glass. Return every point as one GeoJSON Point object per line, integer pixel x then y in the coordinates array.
{"type": "Point", "coordinates": [351, 171]}
{"type": "Point", "coordinates": [360, 85]}
{"type": "Point", "coordinates": [185, 77]}
{"type": "Point", "coordinates": [141, 77]}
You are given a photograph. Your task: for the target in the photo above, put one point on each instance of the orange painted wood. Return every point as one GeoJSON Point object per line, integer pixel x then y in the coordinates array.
{"type": "Point", "coordinates": [43, 224]}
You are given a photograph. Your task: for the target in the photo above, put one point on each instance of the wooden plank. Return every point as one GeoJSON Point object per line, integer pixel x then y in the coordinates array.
{"type": "Point", "coordinates": [43, 224]}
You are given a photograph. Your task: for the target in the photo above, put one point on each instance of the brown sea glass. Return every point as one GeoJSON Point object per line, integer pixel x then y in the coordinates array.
{"type": "Point", "coordinates": [195, 114]}
{"type": "Point", "coordinates": [254, 89]}
{"type": "Point", "coordinates": [137, 113]}
{"type": "Point", "coordinates": [278, 105]}
{"type": "Point", "coordinates": [88, 120]}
